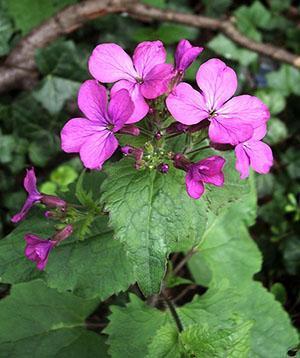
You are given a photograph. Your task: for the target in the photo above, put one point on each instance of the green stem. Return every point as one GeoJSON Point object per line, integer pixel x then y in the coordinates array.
{"type": "Point", "coordinates": [196, 150]}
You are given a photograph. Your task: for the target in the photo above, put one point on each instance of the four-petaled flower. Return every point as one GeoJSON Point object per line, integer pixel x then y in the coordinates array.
{"type": "Point", "coordinates": [254, 153]}
{"type": "Point", "coordinates": [93, 137]}
{"type": "Point", "coordinates": [146, 76]}
{"type": "Point", "coordinates": [208, 170]}
{"type": "Point", "coordinates": [232, 120]}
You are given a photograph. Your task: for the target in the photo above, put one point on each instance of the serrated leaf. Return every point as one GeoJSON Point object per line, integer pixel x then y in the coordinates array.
{"type": "Point", "coordinates": [153, 216]}
{"type": "Point", "coordinates": [165, 343]}
{"type": "Point", "coordinates": [135, 320]}
{"type": "Point", "coordinates": [199, 341]}
{"type": "Point", "coordinates": [34, 316]}
{"type": "Point", "coordinates": [94, 267]}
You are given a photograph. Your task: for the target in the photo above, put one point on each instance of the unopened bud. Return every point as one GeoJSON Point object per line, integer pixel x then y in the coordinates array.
{"type": "Point", "coordinates": [130, 129]}
{"type": "Point", "coordinates": [53, 201]}
{"type": "Point", "coordinates": [163, 168]}
{"type": "Point", "coordinates": [181, 162]}
{"type": "Point", "coordinates": [63, 234]}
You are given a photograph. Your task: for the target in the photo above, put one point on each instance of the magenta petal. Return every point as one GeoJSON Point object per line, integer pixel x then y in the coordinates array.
{"type": "Point", "coordinates": [110, 63]}
{"type": "Point", "coordinates": [147, 55]}
{"type": "Point", "coordinates": [97, 149]}
{"type": "Point", "coordinates": [260, 154]}
{"type": "Point", "coordinates": [217, 81]}
{"type": "Point", "coordinates": [24, 211]}
{"type": "Point", "coordinates": [92, 100]}
{"type": "Point", "coordinates": [242, 161]}
{"type": "Point", "coordinates": [259, 132]}
{"type": "Point", "coordinates": [141, 107]}
{"type": "Point", "coordinates": [186, 105]}
{"type": "Point", "coordinates": [194, 188]}
{"type": "Point", "coordinates": [38, 250]}
{"type": "Point", "coordinates": [186, 54]}
{"type": "Point", "coordinates": [156, 82]}
{"type": "Point", "coordinates": [248, 109]}
{"type": "Point", "coordinates": [120, 109]}
{"type": "Point", "coordinates": [209, 170]}
{"type": "Point", "coordinates": [75, 132]}
{"type": "Point", "coordinates": [229, 131]}
{"type": "Point", "coordinates": [30, 183]}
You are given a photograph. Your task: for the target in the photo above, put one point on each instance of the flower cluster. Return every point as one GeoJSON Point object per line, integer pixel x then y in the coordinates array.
{"type": "Point", "coordinates": [36, 248]}
{"type": "Point", "coordinates": [147, 87]}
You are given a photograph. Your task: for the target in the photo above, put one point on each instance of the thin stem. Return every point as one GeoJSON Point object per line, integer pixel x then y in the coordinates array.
{"type": "Point", "coordinates": [145, 131]}
{"type": "Point", "coordinates": [173, 312]}
{"type": "Point", "coordinates": [196, 150]}
{"type": "Point", "coordinates": [173, 135]}
{"type": "Point", "coordinates": [184, 260]}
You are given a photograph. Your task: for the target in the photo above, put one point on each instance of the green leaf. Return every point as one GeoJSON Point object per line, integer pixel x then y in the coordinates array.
{"type": "Point", "coordinates": [94, 267]}
{"type": "Point", "coordinates": [153, 216]}
{"type": "Point", "coordinates": [6, 30]}
{"type": "Point", "coordinates": [37, 321]}
{"type": "Point", "coordinates": [199, 341]}
{"type": "Point", "coordinates": [279, 292]}
{"type": "Point", "coordinates": [132, 328]}
{"type": "Point", "coordinates": [54, 92]}
{"type": "Point", "coordinates": [273, 99]}
{"type": "Point", "coordinates": [165, 343]}
{"type": "Point", "coordinates": [285, 80]}
{"type": "Point", "coordinates": [277, 131]}
{"type": "Point", "coordinates": [226, 48]}
{"type": "Point", "coordinates": [39, 11]}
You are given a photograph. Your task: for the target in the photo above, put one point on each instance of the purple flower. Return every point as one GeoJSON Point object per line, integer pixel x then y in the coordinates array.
{"type": "Point", "coordinates": [185, 55]}
{"type": "Point", "coordinates": [34, 196]}
{"type": "Point", "coordinates": [38, 250]}
{"type": "Point", "coordinates": [208, 171]}
{"type": "Point", "coordinates": [93, 137]}
{"type": "Point", "coordinates": [254, 153]}
{"type": "Point", "coordinates": [232, 120]}
{"type": "Point", "coordinates": [146, 76]}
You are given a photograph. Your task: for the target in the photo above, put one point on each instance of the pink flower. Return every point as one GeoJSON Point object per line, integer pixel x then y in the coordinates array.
{"type": "Point", "coordinates": [232, 120]}
{"type": "Point", "coordinates": [34, 196]}
{"type": "Point", "coordinates": [254, 153]}
{"type": "Point", "coordinates": [146, 76]}
{"type": "Point", "coordinates": [208, 171]}
{"type": "Point", "coordinates": [185, 55]}
{"type": "Point", "coordinates": [38, 250]}
{"type": "Point", "coordinates": [93, 137]}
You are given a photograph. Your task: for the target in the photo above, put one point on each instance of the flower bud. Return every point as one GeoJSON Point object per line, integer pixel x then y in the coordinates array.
{"type": "Point", "coordinates": [130, 129]}
{"type": "Point", "coordinates": [181, 162]}
{"type": "Point", "coordinates": [53, 201]}
{"type": "Point", "coordinates": [163, 168]}
{"type": "Point", "coordinates": [63, 234]}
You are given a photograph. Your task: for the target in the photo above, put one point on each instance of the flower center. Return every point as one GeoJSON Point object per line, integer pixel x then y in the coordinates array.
{"type": "Point", "coordinates": [110, 127]}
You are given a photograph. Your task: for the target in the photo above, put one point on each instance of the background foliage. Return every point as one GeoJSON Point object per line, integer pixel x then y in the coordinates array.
{"type": "Point", "coordinates": [237, 316]}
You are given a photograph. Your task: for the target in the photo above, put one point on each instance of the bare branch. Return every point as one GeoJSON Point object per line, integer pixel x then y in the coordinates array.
{"type": "Point", "coordinates": [19, 69]}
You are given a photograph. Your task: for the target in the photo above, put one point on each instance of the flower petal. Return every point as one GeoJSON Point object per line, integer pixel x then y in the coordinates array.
{"type": "Point", "coordinates": [24, 211]}
{"type": "Point", "coordinates": [209, 170]}
{"type": "Point", "coordinates": [156, 81]}
{"type": "Point", "coordinates": [30, 183]}
{"type": "Point", "coordinates": [147, 55]}
{"type": "Point", "coordinates": [194, 188]}
{"type": "Point", "coordinates": [186, 54]}
{"type": "Point", "coordinates": [242, 161]}
{"type": "Point", "coordinates": [229, 132]}
{"type": "Point", "coordinates": [97, 149]}
{"type": "Point", "coordinates": [120, 109]}
{"type": "Point", "coordinates": [141, 107]}
{"type": "Point", "coordinates": [217, 81]}
{"type": "Point", "coordinates": [249, 109]}
{"type": "Point", "coordinates": [92, 101]}
{"type": "Point", "coordinates": [75, 132]}
{"type": "Point", "coordinates": [261, 156]}
{"type": "Point", "coordinates": [186, 105]}
{"type": "Point", "coordinates": [109, 63]}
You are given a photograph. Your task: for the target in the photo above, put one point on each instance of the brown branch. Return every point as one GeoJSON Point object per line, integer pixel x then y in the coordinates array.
{"type": "Point", "coordinates": [19, 69]}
